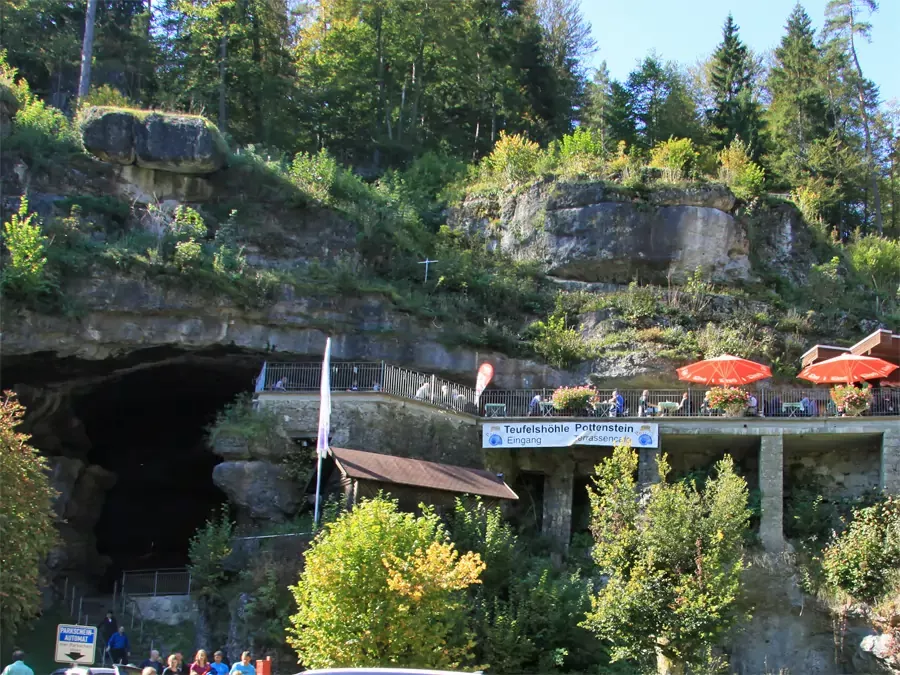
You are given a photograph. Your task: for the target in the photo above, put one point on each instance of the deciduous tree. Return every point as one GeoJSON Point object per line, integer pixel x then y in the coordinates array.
{"type": "Point", "coordinates": [844, 22]}
{"type": "Point", "coordinates": [381, 587]}
{"type": "Point", "coordinates": [673, 564]}
{"type": "Point", "coordinates": [26, 519]}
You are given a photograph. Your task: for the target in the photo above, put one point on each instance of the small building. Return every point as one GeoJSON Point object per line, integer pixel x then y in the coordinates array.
{"type": "Point", "coordinates": [882, 344]}
{"type": "Point", "coordinates": [357, 474]}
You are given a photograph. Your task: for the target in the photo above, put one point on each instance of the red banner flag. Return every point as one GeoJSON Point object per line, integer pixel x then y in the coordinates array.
{"type": "Point", "coordinates": [485, 373]}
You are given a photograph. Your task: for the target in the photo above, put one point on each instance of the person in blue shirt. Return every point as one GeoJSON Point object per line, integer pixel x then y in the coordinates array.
{"type": "Point", "coordinates": [118, 646]}
{"type": "Point", "coordinates": [153, 662]}
{"type": "Point", "coordinates": [18, 667]}
{"type": "Point", "coordinates": [244, 667]}
{"type": "Point", "coordinates": [617, 403]}
{"type": "Point", "coordinates": [218, 665]}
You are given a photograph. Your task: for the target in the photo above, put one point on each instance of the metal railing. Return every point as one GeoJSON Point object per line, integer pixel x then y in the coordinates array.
{"type": "Point", "coordinates": [769, 402]}
{"type": "Point", "coordinates": [371, 377]}
{"type": "Point", "coordinates": [175, 581]}
{"type": "Point", "coordinates": [684, 402]}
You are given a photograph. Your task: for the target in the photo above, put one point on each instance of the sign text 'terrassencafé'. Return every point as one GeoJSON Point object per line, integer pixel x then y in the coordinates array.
{"type": "Point", "coordinates": [564, 434]}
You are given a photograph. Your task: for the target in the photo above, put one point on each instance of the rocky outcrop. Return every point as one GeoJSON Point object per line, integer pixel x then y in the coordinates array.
{"type": "Point", "coordinates": [81, 491]}
{"type": "Point", "coordinates": [124, 316]}
{"type": "Point", "coordinates": [184, 144]}
{"type": "Point", "coordinates": [782, 242]}
{"type": "Point", "coordinates": [261, 491]}
{"type": "Point", "coordinates": [790, 632]}
{"type": "Point", "coordinates": [591, 233]}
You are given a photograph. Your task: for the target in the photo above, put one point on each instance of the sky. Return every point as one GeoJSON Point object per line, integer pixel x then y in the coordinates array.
{"type": "Point", "coordinates": [682, 31]}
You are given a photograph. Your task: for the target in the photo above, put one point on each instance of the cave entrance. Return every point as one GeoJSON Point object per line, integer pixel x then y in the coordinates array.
{"type": "Point", "coordinates": [148, 427]}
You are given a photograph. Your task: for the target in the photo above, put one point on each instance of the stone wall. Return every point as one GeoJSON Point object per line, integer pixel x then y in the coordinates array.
{"type": "Point", "coordinates": [168, 609]}
{"type": "Point", "coordinates": [844, 472]}
{"type": "Point", "coordinates": [384, 424]}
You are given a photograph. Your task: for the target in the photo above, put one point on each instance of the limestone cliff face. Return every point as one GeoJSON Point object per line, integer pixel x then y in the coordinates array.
{"type": "Point", "coordinates": [124, 315]}
{"type": "Point", "coordinates": [588, 232]}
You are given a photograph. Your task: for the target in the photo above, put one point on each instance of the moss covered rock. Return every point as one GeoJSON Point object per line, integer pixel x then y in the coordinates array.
{"type": "Point", "coordinates": [185, 144]}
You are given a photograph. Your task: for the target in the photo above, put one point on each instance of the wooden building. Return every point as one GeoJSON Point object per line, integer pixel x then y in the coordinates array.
{"type": "Point", "coordinates": [356, 475]}
{"type": "Point", "coordinates": [882, 344]}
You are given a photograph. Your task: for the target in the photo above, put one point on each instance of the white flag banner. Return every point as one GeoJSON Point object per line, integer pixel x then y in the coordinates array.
{"type": "Point", "coordinates": [325, 404]}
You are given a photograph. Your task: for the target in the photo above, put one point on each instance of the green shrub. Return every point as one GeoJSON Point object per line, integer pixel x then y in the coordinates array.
{"type": "Point", "coordinates": [745, 178]}
{"type": "Point", "coordinates": [745, 340]}
{"type": "Point", "coordinates": [187, 224]}
{"type": "Point", "coordinates": [314, 174]}
{"type": "Point", "coordinates": [558, 344]}
{"type": "Point", "coordinates": [187, 254]}
{"type": "Point", "coordinates": [106, 96]}
{"type": "Point", "coordinates": [241, 419]}
{"type": "Point", "coordinates": [23, 274]}
{"type": "Point", "coordinates": [39, 131]}
{"type": "Point", "coordinates": [676, 157]}
{"type": "Point", "coordinates": [638, 302]}
{"type": "Point", "coordinates": [514, 159]}
{"type": "Point", "coordinates": [423, 185]}
{"type": "Point", "coordinates": [877, 261]}
{"type": "Point", "coordinates": [860, 560]}
{"type": "Point", "coordinates": [208, 549]}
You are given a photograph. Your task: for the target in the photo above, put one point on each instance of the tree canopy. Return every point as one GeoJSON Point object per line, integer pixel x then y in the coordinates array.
{"type": "Point", "coordinates": [26, 519]}
{"type": "Point", "coordinates": [381, 587]}
{"type": "Point", "coordinates": [673, 561]}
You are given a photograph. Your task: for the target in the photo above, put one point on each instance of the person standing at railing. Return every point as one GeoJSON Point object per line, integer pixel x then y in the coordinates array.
{"type": "Point", "coordinates": [118, 646]}
{"type": "Point", "coordinates": [201, 666]}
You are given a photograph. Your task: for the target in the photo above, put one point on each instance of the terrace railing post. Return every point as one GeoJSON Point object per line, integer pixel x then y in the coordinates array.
{"type": "Point", "coordinates": [72, 606]}
{"type": "Point", "coordinates": [189, 583]}
{"type": "Point", "coordinates": [155, 582]}
{"type": "Point", "coordinates": [383, 382]}
{"type": "Point", "coordinates": [80, 606]}
{"type": "Point", "coordinates": [433, 385]}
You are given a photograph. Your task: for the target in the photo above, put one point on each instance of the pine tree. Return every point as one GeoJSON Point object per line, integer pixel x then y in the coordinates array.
{"type": "Point", "coordinates": [843, 22]}
{"type": "Point", "coordinates": [798, 113]}
{"type": "Point", "coordinates": [735, 111]}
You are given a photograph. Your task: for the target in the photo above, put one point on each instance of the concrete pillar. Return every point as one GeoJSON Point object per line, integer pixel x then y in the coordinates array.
{"type": "Point", "coordinates": [557, 519]}
{"type": "Point", "coordinates": [648, 467]}
{"type": "Point", "coordinates": [890, 461]}
{"type": "Point", "coordinates": [771, 485]}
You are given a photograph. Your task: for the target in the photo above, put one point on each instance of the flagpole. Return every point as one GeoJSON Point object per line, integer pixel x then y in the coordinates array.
{"type": "Point", "coordinates": [324, 424]}
{"type": "Point", "coordinates": [318, 489]}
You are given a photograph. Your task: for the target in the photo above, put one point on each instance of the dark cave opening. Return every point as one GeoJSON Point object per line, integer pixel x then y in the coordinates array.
{"type": "Point", "coordinates": [148, 427]}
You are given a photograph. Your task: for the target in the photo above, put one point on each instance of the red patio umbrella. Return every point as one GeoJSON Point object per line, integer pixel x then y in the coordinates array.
{"type": "Point", "coordinates": [847, 368]}
{"type": "Point", "coordinates": [725, 369]}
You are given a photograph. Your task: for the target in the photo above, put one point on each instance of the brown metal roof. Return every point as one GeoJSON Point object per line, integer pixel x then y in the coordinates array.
{"type": "Point", "coordinates": [883, 344]}
{"type": "Point", "coordinates": [418, 472]}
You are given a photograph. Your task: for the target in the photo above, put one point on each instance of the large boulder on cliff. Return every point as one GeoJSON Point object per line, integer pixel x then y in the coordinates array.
{"type": "Point", "coordinates": [260, 490]}
{"type": "Point", "coordinates": [109, 135]}
{"type": "Point", "coordinates": [186, 144]}
{"type": "Point", "coordinates": [592, 233]}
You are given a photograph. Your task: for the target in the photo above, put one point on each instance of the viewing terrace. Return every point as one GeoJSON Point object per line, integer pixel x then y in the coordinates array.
{"type": "Point", "coordinates": [384, 408]}
{"type": "Point", "coordinates": [384, 378]}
